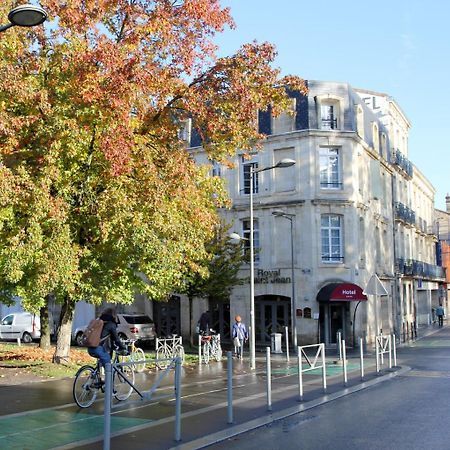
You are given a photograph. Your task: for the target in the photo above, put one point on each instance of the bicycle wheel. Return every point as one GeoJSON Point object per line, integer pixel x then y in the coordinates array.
{"type": "Point", "coordinates": [84, 390]}
{"type": "Point", "coordinates": [122, 376]}
{"type": "Point", "coordinates": [138, 357]}
{"type": "Point", "coordinates": [179, 351]}
{"type": "Point", "coordinates": [206, 352]}
{"type": "Point", "coordinates": [162, 358]}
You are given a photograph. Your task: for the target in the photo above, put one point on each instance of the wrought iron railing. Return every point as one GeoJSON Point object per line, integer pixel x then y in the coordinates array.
{"type": "Point", "coordinates": [420, 269]}
{"type": "Point", "coordinates": [402, 212]}
{"type": "Point", "coordinates": [403, 162]}
{"type": "Point", "coordinates": [329, 124]}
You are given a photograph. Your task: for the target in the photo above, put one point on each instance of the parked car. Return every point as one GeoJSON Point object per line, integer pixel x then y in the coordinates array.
{"type": "Point", "coordinates": [138, 327]}
{"type": "Point", "coordinates": [23, 325]}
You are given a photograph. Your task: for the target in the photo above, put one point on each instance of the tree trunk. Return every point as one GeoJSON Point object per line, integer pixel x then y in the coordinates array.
{"type": "Point", "coordinates": [44, 342]}
{"type": "Point", "coordinates": [64, 334]}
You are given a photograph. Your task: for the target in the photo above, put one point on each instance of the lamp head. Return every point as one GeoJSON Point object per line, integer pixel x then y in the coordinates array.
{"type": "Point", "coordinates": [27, 16]}
{"type": "Point", "coordinates": [285, 162]}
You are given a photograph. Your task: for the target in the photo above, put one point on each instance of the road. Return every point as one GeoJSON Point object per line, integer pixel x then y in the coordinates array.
{"type": "Point", "coordinates": [409, 412]}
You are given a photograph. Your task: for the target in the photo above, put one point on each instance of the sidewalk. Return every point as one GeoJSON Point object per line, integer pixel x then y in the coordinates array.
{"type": "Point", "coordinates": [204, 412]}
{"type": "Point", "coordinates": [44, 413]}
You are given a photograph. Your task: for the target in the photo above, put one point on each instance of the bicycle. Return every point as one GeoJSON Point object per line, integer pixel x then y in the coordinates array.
{"type": "Point", "coordinates": [136, 355]}
{"type": "Point", "coordinates": [211, 347]}
{"type": "Point", "coordinates": [88, 383]}
{"type": "Point", "coordinates": [167, 349]}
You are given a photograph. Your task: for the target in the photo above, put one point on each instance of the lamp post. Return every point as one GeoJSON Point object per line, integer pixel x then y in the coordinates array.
{"type": "Point", "coordinates": [290, 217]}
{"type": "Point", "coordinates": [25, 16]}
{"type": "Point", "coordinates": [279, 165]}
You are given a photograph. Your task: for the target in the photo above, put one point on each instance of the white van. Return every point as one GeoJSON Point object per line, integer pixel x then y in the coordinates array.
{"type": "Point", "coordinates": [23, 325]}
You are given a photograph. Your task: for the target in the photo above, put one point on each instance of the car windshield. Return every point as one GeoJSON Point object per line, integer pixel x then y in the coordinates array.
{"type": "Point", "coordinates": [138, 319]}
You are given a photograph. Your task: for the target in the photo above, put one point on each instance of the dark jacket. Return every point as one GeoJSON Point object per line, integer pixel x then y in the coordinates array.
{"type": "Point", "coordinates": [203, 323]}
{"type": "Point", "coordinates": [110, 333]}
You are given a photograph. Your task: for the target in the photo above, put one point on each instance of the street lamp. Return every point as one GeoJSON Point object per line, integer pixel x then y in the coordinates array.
{"type": "Point", "coordinates": [285, 162]}
{"type": "Point", "coordinates": [25, 16]}
{"type": "Point", "coordinates": [290, 217]}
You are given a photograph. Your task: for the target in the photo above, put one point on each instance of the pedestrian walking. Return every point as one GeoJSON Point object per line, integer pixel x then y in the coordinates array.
{"type": "Point", "coordinates": [240, 336]}
{"type": "Point", "coordinates": [440, 315]}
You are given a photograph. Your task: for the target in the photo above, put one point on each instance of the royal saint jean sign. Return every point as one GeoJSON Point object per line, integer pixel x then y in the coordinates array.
{"type": "Point", "coordinates": [271, 276]}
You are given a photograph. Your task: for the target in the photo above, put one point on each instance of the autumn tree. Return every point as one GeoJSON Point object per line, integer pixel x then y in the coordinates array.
{"type": "Point", "coordinates": [98, 196]}
{"type": "Point", "coordinates": [223, 261]}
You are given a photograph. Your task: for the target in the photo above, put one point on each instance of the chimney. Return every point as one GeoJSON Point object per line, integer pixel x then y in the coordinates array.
{"type": "Point", "coordinates": [447, 202]}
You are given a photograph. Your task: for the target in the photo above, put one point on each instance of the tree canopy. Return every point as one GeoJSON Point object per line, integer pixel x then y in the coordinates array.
{"type": "Point", "coordinates": [98, 195]}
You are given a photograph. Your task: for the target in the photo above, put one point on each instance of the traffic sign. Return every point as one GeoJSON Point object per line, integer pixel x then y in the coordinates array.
{"type": "Point", "coordinates": [375, 286]}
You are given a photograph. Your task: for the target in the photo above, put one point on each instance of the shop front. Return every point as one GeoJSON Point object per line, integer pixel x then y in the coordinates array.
{"type": "Point", "coordinates": [335, 314]}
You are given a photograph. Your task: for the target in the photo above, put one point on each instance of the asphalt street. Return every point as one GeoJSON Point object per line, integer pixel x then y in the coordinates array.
{"type": "Point", "coordinates": [411, 411]}
{"type": "Point", "coordinates": [398, 408]}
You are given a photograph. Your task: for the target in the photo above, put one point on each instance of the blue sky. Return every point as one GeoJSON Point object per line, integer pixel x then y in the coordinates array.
{"type": "Point", "coordinates": [398, 47]}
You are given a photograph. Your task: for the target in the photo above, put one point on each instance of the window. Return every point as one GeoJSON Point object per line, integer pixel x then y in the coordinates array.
{"type": "Point", "coordinates": [330, 113]}
{"type": "Point", "coordinates": [245, 175]}
{"type": "Point", "coordinates": [376, 138]}
{"type": "Point", "coordinates": [246, 235]}
{"type": "Point", "coordinates": [362, 243]}
{"type": "Point", "coordinates": [331, 236]}
{"type": "Point", "coordinates": [216, 169]}
{"type": "Point", "coordinates": [328, 117]}
{"type": "Point", "coordinates": [8, 320]}
{"type": "Point", "coordinates": [330, 173]}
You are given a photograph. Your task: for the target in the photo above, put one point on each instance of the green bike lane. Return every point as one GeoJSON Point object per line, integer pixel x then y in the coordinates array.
{"type": "Point", "coordinates": [43, 416]}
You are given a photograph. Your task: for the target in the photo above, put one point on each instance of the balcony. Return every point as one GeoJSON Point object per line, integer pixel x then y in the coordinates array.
{"type": "Point", "coordinates": [403, 213]}
{"type": "Point", "coordinates": [404, 163]}
{"type": "Point", "coordinates": [329, 124]}
{"type": "Point", "coordinates": [419, 269]}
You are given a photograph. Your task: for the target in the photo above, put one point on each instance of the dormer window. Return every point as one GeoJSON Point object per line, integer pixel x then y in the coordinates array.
{"type": "Point", "coordinates": [328, 117]}
{"type": "Point", "coordinates": [329, 112]}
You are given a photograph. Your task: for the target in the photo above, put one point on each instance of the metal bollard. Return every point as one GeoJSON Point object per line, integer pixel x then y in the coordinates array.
{"type": "Point", "coordinates": [19, 342]}
{"type": "Point", "coordinates": [377, 355]}
{"type": "Point", "coordinates": [199, 349]}
{"type": "Point", "coordinates": [107, 408]}
{"type": "Point", "coordinates": [394, 348]}
{"type": "Point", "coordinates": [300, 374]}
{"type": "Point", "coordinates": [344, 363]}
{"type": "Point", "coordinates": [339, 345]}
{"type": "Point", "coordinates": [230, 387]}
{"type": "Point", "coordinates": [178, 399]}
{"type": "Point", "coordinates": [390, 351]}
{"type": "Point", "coordinates": [287, 343]}
{"type": "Point", "coordinates": [269, 380]}
{"type": "Point", "coordinates": [324, 369]}
{"type": "Point", "coordinates": [361, 357]}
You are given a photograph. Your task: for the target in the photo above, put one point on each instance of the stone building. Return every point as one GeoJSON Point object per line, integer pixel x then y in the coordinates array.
{"type": "Point", "coordinates": [358, 208]}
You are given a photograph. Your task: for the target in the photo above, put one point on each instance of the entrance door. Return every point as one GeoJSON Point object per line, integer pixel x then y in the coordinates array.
{"type": "Point", "coordinates": [337, 322]}
{"type": "Point", "coordinates": [167, 317]}
{"type": "Point", "coordinates": [220, 318]}
{"type": "Point", "coordinates": [272, 314]}
{"type": "Point", "coordinates": [332, 319]}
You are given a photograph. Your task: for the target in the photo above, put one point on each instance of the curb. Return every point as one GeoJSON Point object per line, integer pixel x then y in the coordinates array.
{"type": "Point", "coordinates": [233, 431]}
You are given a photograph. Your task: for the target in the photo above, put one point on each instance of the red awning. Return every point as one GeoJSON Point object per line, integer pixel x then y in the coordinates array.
{"type": "Point", "coordinates": [341, 292]}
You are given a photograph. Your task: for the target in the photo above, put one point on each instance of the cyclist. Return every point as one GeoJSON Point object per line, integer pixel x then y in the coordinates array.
{"type": "Point", "coordinates": [109, 339]}
{"type": "Point", "coordinates": [204, 323]}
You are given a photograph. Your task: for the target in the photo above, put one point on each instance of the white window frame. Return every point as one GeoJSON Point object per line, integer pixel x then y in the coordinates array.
{"type": "Point", "coordinates": [246, 235]}
{"type": "Point", "coordinates": [331, 239]}
{"type": "Point", "coordinates": [326, 101]}
{"type": "Point", "coordinates": [245, 175]}
{"type": "Point", "coordinates": [330, 173]}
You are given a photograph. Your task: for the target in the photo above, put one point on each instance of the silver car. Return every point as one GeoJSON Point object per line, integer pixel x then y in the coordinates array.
{"type": "Point", "coordinates": [138, 327]}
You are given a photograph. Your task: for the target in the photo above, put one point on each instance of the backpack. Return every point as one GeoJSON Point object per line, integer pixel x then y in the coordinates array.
{"type": "Point", "coordinates": [92, 333]}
